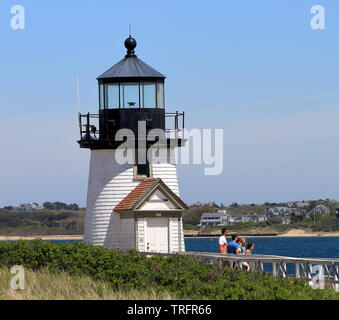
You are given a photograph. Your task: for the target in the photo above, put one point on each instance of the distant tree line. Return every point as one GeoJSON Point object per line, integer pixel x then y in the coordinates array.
{"type": "Point", "coordinates": [60, 206]}
{"type": "Point", "coordinates": [42, 222]}
{"type": "Point", "coordinates": [50, 206]}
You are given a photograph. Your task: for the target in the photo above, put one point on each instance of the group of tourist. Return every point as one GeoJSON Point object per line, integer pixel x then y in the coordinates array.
{"type": "Point", "coordinates": [236, 246]}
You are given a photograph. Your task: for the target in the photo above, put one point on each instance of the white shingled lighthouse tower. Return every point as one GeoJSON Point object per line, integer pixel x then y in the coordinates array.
{"type": "Point", "coordinates": [135, 204]}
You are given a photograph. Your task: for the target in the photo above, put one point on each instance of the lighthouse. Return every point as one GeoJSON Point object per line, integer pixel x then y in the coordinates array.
{"type": "Point", "coordinates": [134, 204]}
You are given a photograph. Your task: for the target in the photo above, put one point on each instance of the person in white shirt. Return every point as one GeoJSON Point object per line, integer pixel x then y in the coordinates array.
{"type": "Point", "coordinates": [222, 241]}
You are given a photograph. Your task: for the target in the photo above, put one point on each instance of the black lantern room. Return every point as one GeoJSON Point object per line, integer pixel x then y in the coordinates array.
{"type": "Point", "coordinates": [129, 92]}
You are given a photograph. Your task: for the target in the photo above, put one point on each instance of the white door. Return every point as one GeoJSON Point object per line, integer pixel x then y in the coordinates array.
{"type": "Point", "coordinates": [157, 235]}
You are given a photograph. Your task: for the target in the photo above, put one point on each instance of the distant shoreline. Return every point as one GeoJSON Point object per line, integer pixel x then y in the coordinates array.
{"type": "Point", "coordinates": [264, 236]}
{"type": "Point", "coordinates": [293, 233]}
{"type": "Point", "coordinates": [189, 235]}
{"type": "Point", "coordinates": [42, 237]}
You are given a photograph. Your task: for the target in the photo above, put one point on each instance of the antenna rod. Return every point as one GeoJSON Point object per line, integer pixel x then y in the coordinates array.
{"type": "Point", "coordinates": [130, 32]}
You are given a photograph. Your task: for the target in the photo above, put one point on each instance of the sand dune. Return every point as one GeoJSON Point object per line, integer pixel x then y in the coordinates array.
{"type": "Point", "coordinates": [302, 233]}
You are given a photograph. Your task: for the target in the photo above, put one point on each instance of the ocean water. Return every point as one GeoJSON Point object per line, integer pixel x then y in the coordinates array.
{"type": "Point", "coordinates": [300, 247]}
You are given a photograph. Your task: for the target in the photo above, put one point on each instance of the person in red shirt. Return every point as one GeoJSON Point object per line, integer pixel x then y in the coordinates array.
{"type": "Point", "coordinates": [222, 241]}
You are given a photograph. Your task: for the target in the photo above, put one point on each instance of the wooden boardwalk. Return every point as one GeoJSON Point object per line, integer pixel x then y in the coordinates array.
{"type": "Point", "coordinates": [319, 272]}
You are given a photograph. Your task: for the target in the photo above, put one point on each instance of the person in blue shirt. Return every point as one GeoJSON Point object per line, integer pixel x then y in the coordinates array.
{"type": "Point", "coordinates": [233, 246]}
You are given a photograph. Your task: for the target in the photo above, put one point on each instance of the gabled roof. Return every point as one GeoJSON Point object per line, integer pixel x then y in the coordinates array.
{"type": "Point", "coordinates": [131, 67]}
{"type": "Point", "coordinates": [142, 191]}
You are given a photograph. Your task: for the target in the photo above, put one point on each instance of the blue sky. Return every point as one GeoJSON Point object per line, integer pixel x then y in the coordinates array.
{"type": "Point", "coordinates": [254, 68]}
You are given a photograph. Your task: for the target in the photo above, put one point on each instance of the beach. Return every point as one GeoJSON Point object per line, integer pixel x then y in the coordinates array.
{"type": "Point", "coordinates": [303, 233]}
{"type": "Point", "coordinates": [290, 233]}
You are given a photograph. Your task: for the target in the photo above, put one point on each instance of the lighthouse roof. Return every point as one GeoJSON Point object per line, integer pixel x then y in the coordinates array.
{"type": "Point", "coordinates": [143, 191]}
{"type": "Point", "coordinates": [131, 66]}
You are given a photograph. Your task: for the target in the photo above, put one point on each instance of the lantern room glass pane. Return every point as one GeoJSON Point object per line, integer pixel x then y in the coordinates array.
{"type": "Point", "coordinates": [148, 95]}
{"type": "Point", "coordinates": [129, 93]}
{"type": "Point", "coordinates": [161, 95]}
{"type": "Point", "coordinates": [101, 96]}
{"type": "Point", "coordinates": [112, 94]}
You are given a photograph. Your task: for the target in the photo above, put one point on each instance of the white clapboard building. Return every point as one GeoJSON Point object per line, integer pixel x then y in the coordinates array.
{"type": "Point", "coordinates": [135, 204]}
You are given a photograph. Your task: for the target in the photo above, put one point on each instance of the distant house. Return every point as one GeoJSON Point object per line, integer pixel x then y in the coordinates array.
{"type": "Point", "coordinates": [320, 209]}
{"type": "Point", "coordinates": [234, 220]}
{"type": "Point", "coordinates": [29, 207]}
{"type": "Point", "coordinates": [279, 212]}
{"type": "Point", "coordinates": [217, 218]}
{"type": "Point", "coordinates": [337, 213]}
{"type": "Point", "coordinates": [298, 204]}
{"type": "Point", "coordinates": [283, 212]}
{"type": "Point", "coordinates": [250, 218]}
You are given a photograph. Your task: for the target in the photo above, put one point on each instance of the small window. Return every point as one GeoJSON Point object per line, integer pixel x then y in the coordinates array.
{"type": "Point", "coordinates": [112, 96]}
{"type": "Point", "coordinates": [148, 95]}
{"type": "Point", "coordinates": [129, 94]}
{"type": "Point", "coordinates": [101, 96]}
{"type": "Point", "coordinates": [142, 171]}
{"type": "Point", "coordinates": [160, 95]}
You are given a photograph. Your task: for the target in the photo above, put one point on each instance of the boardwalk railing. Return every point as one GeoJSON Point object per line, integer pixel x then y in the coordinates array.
{"type": "Point", "coordinates": [319, 272]}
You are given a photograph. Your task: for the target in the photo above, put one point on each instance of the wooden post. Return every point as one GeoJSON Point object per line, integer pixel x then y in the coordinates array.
{"type": "Point", "coordinates": [297, 270]}
{"type": "Point", "coordinates": [321, 276]}
{"type": "Point", "coordinates": [282, 267]}
{"type": "Point", "coordinates": [336, 278]}
{"type": "Point", "coordinates": [309, 273]}
{"type": "Point", "coordinates": [274, 269]}
{"type": "Point", "coordinates": [309, 265]}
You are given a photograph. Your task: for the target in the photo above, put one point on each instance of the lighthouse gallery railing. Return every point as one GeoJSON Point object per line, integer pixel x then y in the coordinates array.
{"type": "Point", "coordinates": [89, 122]}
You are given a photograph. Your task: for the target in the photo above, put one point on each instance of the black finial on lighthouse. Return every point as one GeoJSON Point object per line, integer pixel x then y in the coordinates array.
{"type": "Point", "coordinates": [130, 44]}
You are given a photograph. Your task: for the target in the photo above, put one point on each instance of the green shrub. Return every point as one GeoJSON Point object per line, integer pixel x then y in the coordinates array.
{"type": "Point", "coordinates": [182, 276]}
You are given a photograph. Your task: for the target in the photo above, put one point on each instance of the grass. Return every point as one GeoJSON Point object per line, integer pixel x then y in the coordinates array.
{"type": "Point", "coordinates": [45, 285]}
